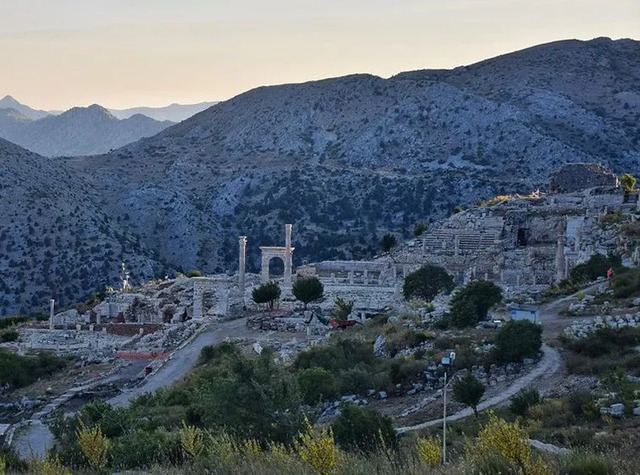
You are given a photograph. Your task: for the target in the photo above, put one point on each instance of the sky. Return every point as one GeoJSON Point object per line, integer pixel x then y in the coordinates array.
{"type": "Point", "coordinates": [55, 54]}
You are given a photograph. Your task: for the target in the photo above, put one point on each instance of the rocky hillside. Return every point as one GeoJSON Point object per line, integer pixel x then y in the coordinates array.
{"type": "Point", "coordinates": [351, 158]}
{"type": "Point", "coordinates": [54, 240]}
{"type": "Point", "coordinates": [79, 131]}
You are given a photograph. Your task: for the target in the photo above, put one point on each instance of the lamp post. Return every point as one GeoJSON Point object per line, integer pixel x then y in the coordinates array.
{"type": "Point", "coordinates": [446, 362]}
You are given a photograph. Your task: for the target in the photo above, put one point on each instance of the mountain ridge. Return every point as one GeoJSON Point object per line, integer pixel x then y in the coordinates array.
{"type": "Point", "coordinates": [78, 131]}
{"type": "Point", "coordinates": [349, 159]}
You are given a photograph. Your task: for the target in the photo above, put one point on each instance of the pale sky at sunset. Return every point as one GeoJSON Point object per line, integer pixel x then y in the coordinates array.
{"type": "Point", "coordinates": [121, 53]}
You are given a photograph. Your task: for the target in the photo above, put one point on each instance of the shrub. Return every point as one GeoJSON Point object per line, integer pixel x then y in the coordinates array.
{"type": "Point", "coordinates": [10, 334]}
{"type": "Point", "coordinates": [318, 450]}
{"type": "Point", "coordinates": [364, 430]}
{"type": "Point", "coordinates": [194, 273]}
{"type": "Point", "coordinates": [427, 282]}
{"type": "Point", "coordinates": [406, 338]}
{"type": "Point", "coordinates": [523, 400]}
{"type": "Point", "coordinates": [419, 229]}
{"type": "Point", "coordinates": [94, 445]}
{"type": "Point", "coordinates": [595, 267]}
{"type": "Point", "coordinates": [388, 242]}
{"type": "Point", "coordinates": [429, 451]}
{"type": "Point", "coordinates": [509, 447]}
{"type": "Point", "coordinates": [587, 464]}
{"type": "Point", "coordinates": [626, 284]}
{"type": "Point", "coordinates": [628, 181]}
{"type": "Point", "coordinates": [342, 309]}
{"type": "Point", "coordinates": [316, 385]}
{"type": "Point", "coordinates": [518, 339]}
{"type": "Point", "coordinates": [21, 371]}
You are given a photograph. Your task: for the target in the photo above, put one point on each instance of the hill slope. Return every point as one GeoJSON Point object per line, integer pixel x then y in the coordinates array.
{"type": "Point", "coordinates": [344, 159]}
{"type": "Point", "coordinates": [347, 159]}
{"type": "Point", "coordinates": [54, 239]}
{"type": "Point", "coordinates": [78, 131]}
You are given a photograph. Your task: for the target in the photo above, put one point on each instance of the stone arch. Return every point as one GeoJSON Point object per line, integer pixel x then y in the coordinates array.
{"type": "Point", "coordinates": [276, 267]}
{"type": "Point", "coordinates": [285, 253]}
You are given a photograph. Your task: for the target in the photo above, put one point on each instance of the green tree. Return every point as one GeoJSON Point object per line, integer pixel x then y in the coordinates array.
{"type": "Point", "coordinates": [518, 339]}
{"type": "Point", "coordinates": [363, 430]}
{"type": "Point", "coordinates": [342, 309]}
{"type": "Point", "coordinates": [388, 242]}
{"type": "Point", "coordinates": [595, 267]}
{"type": "Point", "coordinates": [481, 294]}
{"type": "Point", "coordinates": [427, 282]}
{"type": "Point", "coordinates": [628, 181]}
{"type": "Point", "coordinates": [419, 229]}
{"type": "Point", "coordinates": [468, 390]}
{"type": "Point", "coordinates": [307, 289]}
{"type": "Point", "coordinates": [316, 385]}
{"type": "Point", "coordinates": [268, 292]}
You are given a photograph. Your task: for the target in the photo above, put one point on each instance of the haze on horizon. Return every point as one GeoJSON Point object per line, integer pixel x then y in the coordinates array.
{"type": "Point", "coordinates": [60, 53]}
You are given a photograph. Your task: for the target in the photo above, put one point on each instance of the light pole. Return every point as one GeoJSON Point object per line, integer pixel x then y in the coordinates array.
{"type": "Point", "coordinates": [446, 362]}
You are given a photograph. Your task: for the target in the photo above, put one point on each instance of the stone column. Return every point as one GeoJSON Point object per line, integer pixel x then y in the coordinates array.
{"type": "Point", "coordinates": [52, 307]}
{"type": "Point", "coordinates": [197, 300]}
{"type": "Point", "coordinates": [264, 268]}
{"type": "Point", "coordinates": [288, 261]}
{"type": "Point", "coordinates": [560, 261]}
{"type": "Point", "coordinates": [242, 242]}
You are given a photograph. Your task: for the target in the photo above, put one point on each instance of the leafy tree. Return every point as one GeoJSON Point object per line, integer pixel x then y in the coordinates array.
{"type": "Point", "coordinates": [419, 229]}
{"type": "Point", "coordinates": [482, 295]}
{"type": "Point", "coordinates": [364, 430]}
{"type": "Point", "coordinates": [268, 292]}
{"type": "Point", "coordinates": [307, 289]}
{"type": "Point", "coordinates": [388, 242]}
{"type": "Point", "coordinates": [342, 309]}
{"type": "Point", "coordinates": [523, 400]}
{"type": "Point", "coordinates": [628, 181]}
{"type": "Point", "coordinates": [468, 390]}
{"type": "Point", "coordinates": [427, 282]}
{"type": "Point", "coordinates": [518, 339]}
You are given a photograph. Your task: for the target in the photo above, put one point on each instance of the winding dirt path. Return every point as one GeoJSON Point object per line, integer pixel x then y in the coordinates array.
{"type": "Point", "coordinates": [549, 364]}
{"type": "Point", "coordinates": [547, 373]}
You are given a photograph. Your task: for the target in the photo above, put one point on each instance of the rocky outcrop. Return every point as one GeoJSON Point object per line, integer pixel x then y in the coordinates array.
{"type": "Point", "coordinates": [581, 176]}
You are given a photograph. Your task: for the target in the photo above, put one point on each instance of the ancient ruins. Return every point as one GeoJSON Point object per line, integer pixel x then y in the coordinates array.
{"type": "Point", "coordinates": [522, 243]}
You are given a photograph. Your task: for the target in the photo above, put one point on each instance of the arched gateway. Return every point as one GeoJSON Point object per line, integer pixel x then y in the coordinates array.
{"type": "Point", "coordinates": [285, 253]}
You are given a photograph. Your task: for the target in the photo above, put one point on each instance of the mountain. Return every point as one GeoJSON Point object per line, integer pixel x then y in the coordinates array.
{"type": "Point", "coordinates": [55, 240]}
{"type": "Point", "coordinates": [173, 112]}
{"type": "Point", "coordinates": [78, 131]}
{"type": "Point", "coordinates": [349, 159]}
{"type": "Point", "coordinates": [8, 102]}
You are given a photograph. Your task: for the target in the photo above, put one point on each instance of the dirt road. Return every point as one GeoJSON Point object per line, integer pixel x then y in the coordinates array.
{"type": "Point", "coordinates": [546, 375]}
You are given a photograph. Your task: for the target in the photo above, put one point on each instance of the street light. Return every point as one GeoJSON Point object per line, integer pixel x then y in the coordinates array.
{"type": "Point", "coordinates": [446, 362]}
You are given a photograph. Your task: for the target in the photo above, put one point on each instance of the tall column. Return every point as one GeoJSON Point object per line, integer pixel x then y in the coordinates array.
{"type": "Point", "coordinates": [242, 241]}
{"type": "Point", "coordinates": [288, 261]}
{"type": "Point", "coordinates": [560, 261]}
{"type": "Point", "coordinates": [52, 307]}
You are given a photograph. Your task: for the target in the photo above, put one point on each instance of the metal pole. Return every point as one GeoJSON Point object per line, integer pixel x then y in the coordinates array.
{"type": "Point", "coordinates": [444, 421]}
